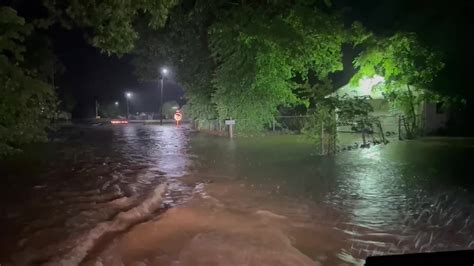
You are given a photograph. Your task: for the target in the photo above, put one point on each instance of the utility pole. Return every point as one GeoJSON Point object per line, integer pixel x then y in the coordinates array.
{"type": "Point", "coordinates": [96, 109]}
{"type": "Point", "coordinates": [127, 109]}
{"type": "Point", "coordinates": [161, 101]}
{"type": "Point", "coordinates": [127, 97]}
{"type": "Point", "coordinates": [164, 71]}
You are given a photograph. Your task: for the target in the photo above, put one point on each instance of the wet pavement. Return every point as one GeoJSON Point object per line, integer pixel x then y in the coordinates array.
{"type": "Point", "coordinates": [151, 195]}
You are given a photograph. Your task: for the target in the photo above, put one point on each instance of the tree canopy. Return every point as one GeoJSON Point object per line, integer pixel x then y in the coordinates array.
{"type": "Point", "coordinates": [401, 60]}
{"type": "Point", "coordinates": [111, 24]}
{"type": "Point", "coordinates": [27, 103]}
{"type": "Point", "coordinates": [247, 60]}
{"type": "Point", "coordinates": [243, 60]}
{"type": "Point", "coordinates": [408, 69]}
{"type": "Point", "coordinates": [260, 51]}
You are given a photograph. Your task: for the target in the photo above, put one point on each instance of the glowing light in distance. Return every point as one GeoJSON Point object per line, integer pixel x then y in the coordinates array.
{"type": "Point", "coordinates": [118, 122]}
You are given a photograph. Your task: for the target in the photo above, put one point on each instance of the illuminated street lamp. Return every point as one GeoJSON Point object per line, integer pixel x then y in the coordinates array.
{"type": "Point", "coordinates": [164, 72]}
{"type": "Point", "coordinates": [116, 103]}
{"type": "Point", "coordinates": [128, 95]}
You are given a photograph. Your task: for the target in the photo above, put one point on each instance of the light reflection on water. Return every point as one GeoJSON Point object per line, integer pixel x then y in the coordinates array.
{"type": "Point", "coordinates": [401, 197]}
{"type": "Point", "coordinates": [387, 199]}
{"type": "Point", "coordinates": [371, 187]}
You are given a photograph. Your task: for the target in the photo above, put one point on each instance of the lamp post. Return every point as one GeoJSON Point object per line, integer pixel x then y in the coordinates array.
{"type": "Point", "coordinates": [164, 71]}
{"type": "Point", "coordinates": [96, 109]}
{"type": "Point", "coordinates": [128, 95]}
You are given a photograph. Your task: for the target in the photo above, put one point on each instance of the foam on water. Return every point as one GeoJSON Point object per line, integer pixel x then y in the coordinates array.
{"type": "Point", "coordinates": [73, 250]}
{"type": "Point", "coordinates": [219, 225]}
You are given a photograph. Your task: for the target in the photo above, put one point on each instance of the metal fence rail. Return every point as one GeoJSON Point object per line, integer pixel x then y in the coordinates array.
{"type": "Point", "coordinates": [390, 127]}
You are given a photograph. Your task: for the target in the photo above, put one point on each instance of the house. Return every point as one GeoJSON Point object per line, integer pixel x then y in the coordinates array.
{"type": "Point", "coordinates": [431, 116]}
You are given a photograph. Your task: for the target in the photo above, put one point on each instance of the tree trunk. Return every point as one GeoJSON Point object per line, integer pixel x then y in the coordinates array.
{"type": "Point", "coordinates": [407, 128]}
{"type": "Point", "coordinates": [382, 135]}
{"type": "Point", "coordinates": [412, 112]}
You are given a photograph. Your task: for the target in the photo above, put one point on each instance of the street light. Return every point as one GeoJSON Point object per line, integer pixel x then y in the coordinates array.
{"type": "Point", "coordinates": [116, 103]}
{"type": "Point", "coordinates": [164, 72]}
{"type": "Point", "coordinates": [128, 95]}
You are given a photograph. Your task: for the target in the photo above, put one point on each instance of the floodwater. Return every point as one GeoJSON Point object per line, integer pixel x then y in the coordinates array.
{"type": "Point", "coordinates": [151, 195]}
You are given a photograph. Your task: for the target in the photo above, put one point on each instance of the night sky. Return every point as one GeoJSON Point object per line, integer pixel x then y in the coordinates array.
{"type": "Point", "coordinates": [91, 75]}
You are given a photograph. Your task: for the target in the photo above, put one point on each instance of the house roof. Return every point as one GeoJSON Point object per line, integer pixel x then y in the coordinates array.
{"type": "Point", "coordinates": [366, 87]}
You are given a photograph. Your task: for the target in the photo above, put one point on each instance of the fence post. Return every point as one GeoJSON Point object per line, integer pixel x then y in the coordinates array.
{"type": "Point", "coordinates": [231, 130]}
{"type": "Point", "coordinates": [379, 124]}
{"type": "Point", "coordinates": [273, 124]}
{"type": "Point", "coordinates": [364, 141]}
{"type": "Point", "coordinates": [399, 127]}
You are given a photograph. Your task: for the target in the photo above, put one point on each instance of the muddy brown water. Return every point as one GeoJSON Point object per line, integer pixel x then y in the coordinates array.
{"type": "Point", "coordinates": [151, 195]}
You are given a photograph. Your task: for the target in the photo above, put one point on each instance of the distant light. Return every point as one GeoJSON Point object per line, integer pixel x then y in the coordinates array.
{"type": "Point", "coordinates": [128, 94]}
{"type": "Point", "coordinates": [118, 122]}
{"type": "Point", "coordinates": [116, 103]}
{"type": "Point", "coordinates": [164, 71]}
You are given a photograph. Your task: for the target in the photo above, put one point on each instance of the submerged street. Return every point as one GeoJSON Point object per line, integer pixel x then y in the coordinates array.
{"type": "Point", "coordinates": [162, 195]}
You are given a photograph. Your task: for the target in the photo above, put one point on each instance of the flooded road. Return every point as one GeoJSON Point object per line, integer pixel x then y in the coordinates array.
{"type": "Point", "coordinates": [151, 195]}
